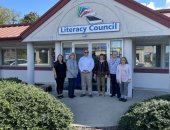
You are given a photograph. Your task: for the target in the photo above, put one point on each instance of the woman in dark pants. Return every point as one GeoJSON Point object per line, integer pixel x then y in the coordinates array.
{"type": "Point", "coordinates": [72, 69]}
{"type": "Point", "coordinates": [59, 70]}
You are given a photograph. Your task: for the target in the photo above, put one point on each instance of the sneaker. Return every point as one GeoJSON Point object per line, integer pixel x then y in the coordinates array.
{"type": "Point", "coordinates": [82, 95]}
{"type": "Point", "coordinates": [124, 100]}
{"type": "Point", "coordinates": [90, 95]}
{"type": "Point", "coordinates": [112, 95]}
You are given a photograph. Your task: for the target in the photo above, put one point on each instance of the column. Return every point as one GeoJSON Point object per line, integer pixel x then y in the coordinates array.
{"type": "Point", "coordinates": [127, 52]}
{"type": "Point", "coordinates": [30, 63]}
{"type": "Point", "coordinates": [169, 67]}
{"type": "Point", "coordinates": [0, 61]}
{"type": "Point", "coordinates": [57, 49]}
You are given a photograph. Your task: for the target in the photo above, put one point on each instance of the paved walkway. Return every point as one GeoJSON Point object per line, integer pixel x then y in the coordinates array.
{"type": "Point", "coordinates": [100, 111]}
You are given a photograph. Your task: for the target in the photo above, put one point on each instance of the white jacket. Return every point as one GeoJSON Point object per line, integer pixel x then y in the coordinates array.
{"type": "Point", "coordinates": [127, 73]}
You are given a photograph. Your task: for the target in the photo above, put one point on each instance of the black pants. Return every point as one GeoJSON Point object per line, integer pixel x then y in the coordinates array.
{"type": "Point", "coordinates": [60, 85]}
{"type": "Point", "coordinates": [71, 86]}
{"type": "Point", "coordinates": [115, 89]}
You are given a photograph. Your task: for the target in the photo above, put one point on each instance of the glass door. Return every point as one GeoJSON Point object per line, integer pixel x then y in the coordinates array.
{"type": "Point", "coordinates": [95, 49]}
{"type": "Point", "coordinates": [79, 48]}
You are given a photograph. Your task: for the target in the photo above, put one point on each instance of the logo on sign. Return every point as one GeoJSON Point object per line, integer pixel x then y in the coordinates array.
{"type": "Point", "coordinates": [84, 11]}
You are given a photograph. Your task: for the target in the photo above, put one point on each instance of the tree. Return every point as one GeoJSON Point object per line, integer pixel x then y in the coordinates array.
{"type": "Point", "coordinates": [8, 16]}
{"type": "Point", "coordinates": [30, 18]}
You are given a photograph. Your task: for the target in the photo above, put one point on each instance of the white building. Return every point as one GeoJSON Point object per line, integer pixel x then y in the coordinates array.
{"type": "Point", "coordinates": [135, 31]}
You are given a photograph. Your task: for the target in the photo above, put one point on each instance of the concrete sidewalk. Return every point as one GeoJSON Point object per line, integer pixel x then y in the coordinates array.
{"type": "Point", "coordinates": [100, 111]}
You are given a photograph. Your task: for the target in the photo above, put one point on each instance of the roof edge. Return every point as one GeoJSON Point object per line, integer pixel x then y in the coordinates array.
{"type": "Point", "coordinates": [14, 25]}
{"type": "Point", "coordinates": [152, 14]}
{"type": "Point", "coordinates": [11, 38]}
{"type": "Point", "coordinates": [163, 11]}
{"type": "Point", "coordinates": [44, 17]}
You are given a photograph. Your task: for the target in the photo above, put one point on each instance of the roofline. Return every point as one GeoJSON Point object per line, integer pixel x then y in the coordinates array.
{"type": "Point", "coordinates": [152, 14]}
{"type": "Point", "coordinates": [14, 25]}
{"type": "Point", "coordinates": [44, 17]}
{"type": "Point", "coordinates": [163, 11]}
{"type": "Point", "coordinates": [10, 38]}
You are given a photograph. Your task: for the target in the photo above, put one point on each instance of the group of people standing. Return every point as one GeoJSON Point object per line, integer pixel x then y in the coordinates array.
{"type": "Point", "coordinates": [117, 69]}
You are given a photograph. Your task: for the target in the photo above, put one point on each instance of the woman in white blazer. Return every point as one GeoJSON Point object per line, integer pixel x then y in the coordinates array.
{"type": "Point", "coordinates": [123, 77]}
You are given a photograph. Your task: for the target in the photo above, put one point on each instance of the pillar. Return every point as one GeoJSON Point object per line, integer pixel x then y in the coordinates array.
{"type": "Point", "coordinates": [57, 49]}
{"type": "Point", "coordinates": [30, 63]}
{"type": "Point", "coordinates": [127, 52]}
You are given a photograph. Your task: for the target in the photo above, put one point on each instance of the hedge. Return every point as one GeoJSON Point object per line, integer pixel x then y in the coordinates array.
{"type": "Point", "coordinates": [25, 107]}
{"type": "Point", "coordinates": [152, 114]}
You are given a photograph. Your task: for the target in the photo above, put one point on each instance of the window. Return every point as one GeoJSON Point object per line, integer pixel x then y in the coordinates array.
{"type": "Point", "coordinates": [67, 49]}
{"type": "Point", "coordinates": [167, 49]}
{"type": "Point", "coordinates": [22, 57]}
{"type": "Point", "coordinates": [148, 56]}
{"type": "Point", "coordinates": [8, 57]}
{"type": "Point", "coordinates": [117, 45]}
{"type": "Point", "coordinates": [41, 56]}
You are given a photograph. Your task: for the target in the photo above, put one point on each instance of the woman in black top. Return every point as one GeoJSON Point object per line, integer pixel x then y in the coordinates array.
{"type": "Point", "coordinates": [59, 70]}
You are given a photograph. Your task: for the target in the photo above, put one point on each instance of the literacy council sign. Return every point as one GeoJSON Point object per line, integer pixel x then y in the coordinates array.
{"type": "Point", "coordinates": [112, 27]}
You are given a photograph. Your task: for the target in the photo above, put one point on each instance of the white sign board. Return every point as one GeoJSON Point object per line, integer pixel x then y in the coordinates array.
{"type": "Point", "coordinates": [112, 27]}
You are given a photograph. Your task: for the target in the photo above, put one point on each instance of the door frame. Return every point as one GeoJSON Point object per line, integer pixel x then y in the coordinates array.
{"type": "Point", "coordinates": [90, 43]}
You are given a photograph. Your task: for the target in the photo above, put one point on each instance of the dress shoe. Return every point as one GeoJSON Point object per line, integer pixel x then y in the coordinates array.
{"type": "Point", "coordinates": [121, 99]}
{"type": "Point", "coordinates": [82, 95]}
{"type": "Point", "coordinates": [90, 95]}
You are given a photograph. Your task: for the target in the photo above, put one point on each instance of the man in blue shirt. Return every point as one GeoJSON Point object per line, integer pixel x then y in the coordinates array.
{"type": "Point", "coordinates": [113, 63]}
{"type": "Point", "coordinates": [86, 65]}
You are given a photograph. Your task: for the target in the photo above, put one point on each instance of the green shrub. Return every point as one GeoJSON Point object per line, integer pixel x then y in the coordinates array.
{"type": "Point", "coordinates": [152, 114]}
{"type": "Point", "coordinates": [12, 79]}
{"type": "Point", "coordinates": [25, 107]}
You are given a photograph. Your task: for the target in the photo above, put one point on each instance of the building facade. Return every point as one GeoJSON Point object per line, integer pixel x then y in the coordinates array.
{"type": "Point", "coordinates": [135, 31]}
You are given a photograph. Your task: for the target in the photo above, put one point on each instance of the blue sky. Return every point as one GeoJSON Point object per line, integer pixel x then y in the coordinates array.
{"type": "Point", "coordinates": [41, 6]}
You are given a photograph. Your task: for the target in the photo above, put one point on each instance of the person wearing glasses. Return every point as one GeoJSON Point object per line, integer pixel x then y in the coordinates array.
{"type": "Point", "coordinates": [59, 69]}
{"type": "Point", "coordinates": [86, 65]}
{"type": "Point", "coordinates": [113, 63]}
{"type": "Point", "coordinates": [123, 76]}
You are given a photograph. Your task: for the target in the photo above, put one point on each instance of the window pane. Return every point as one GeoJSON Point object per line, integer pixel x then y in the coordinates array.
{"type": "Point", "coordinates": [8, 57]}
{"type": "Point", "coordinates": [148, 56]}
{"type": "Point", "coordinates": [67, 49]}
{"type": "Point", "coordinates": [22, 57]}
{"type": "Point", "coordinates": [116, 46]}
{"type": "Point", "coordinates": [167, 49]}
{"type": "Point", "coordinates": [41, 56]}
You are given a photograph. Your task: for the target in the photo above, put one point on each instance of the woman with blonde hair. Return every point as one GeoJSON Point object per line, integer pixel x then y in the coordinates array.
{"type": "Point", "coordinates": [72, 69]}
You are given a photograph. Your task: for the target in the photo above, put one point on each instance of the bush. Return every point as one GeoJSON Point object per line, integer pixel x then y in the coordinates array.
{"type": "Point", "coordinates": [25, 107]}
{"type": "Point", "coordinates": [12, 79]}
{"type": "Point", "coordinates": [152, 114]}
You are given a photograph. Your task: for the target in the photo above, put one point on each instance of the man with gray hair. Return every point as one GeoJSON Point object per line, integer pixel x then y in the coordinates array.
{"type": "Point", "coordinates": [113, 63]}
